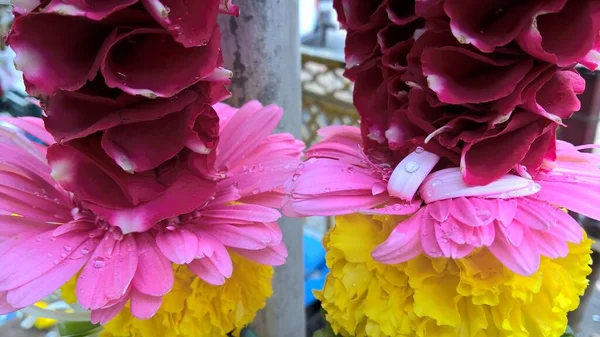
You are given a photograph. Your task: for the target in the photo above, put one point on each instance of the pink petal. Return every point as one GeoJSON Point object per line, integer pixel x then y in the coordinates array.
{"type": "Point", "coordinates": [252, 236]}
{"type": "Point", "coordinates": [567, 228]}
{"type": "Point", "coordinates": [536, 215]}
{"type": "Point", "coordinates": [25, 6]}
{"type": "Point", "coordinates": [154, 275]}
{"type": "Point", "coordinates": [523, 259]}
{"type": "Point", "coordinates": [5, 307]}
{"type": "Point", "coordinates": [270, 256]}
{"type": "Point", "coordinates": [578, 197]}
{"type": "Point", "coordinates": [241, 212]}
{"type": "Point", "coordinates": [403, 243]}
{"type": "Point", "coordinates": [178, 245]}
{"type": "Point", "coordinates": [427, 233]}
{"type": "Point", "coordinates": [550, 245]}
{"type": "Point", "coordinates": [144, 306]}
{"type": "Point", "coordinates": [109, 273]}
{"type": "Point", "coordinates": [55, 51]}
{"type": "Point", "coordinates": [440, 210]}
{"type": "Point", "coordinates": [43, 286]}
{"type": "Point", "coordinates": [410, 173]}
{"type": "Point", "coordinates": [175, 69]}
{"type": "Point", "coordinates": [14, 225]}
{"type": "Point", "coordinates": [93, 10]}
{"type": "Point", "coordinates": [31, 125]}
{"type": "Point", "coordinates": [246, 129]}
{"type": "Point", "coordinates": [213, 269]}
{"type": "Point", "coordinates": [104, 315]}
{"type": "Point", "coordinates": [36, 255]}
{"type": "Point", "coordinates": [191, 23]}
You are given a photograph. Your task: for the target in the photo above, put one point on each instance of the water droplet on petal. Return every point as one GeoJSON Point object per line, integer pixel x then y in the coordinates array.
{"type": "Point", "coordinates": [419, 150]}
{"type": "Point", "coordinates": [351, 170]}
{"type": "Point", "coordinates": [55, 262]}
{"type": "Point", "coordinates": [63, 255]}
{"type": "Point", "coordinates": [327, 189]}
{"type": "Point", "coordinates": [411, 167]}
{"type": "Point", "coordinates": [483, 214]}
{"type": "Point", "coordinates": [68, 248]}
{"type": "Point", "coordinates": [313, 160]}
{"type": "Point", "coordinates": [38, 239]}
{"type": "Point", "coordinates": [99, 262]}
{"type": "Point", "coordinates": [435, 182]}
{"type": "Point", "coordinates": [256, 191]}
{"type": "Point", "coordinates": [85, 251]}
{"type": "Point", "coordinates": [295, 177]}
{"type": "Point", "coordinates": [301, 166]}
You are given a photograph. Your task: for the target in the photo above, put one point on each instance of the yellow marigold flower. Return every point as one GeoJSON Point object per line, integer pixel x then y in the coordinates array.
{"type": "Point", "coordinates": [471, 297]}
{"type": "Point", "coordinates": [195, 308]}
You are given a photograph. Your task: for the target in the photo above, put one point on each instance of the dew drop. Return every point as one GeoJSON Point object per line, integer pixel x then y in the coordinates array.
{"type": "Point", "coordinates": [435, 182]}
{"type": "Point", "coordinates": [419, 150]}
{"type": "Point", "coordinates": [483, 215]}
{"type": "Point", "coordinates": [68, 248]}
{"type": "Point", "coordinates": [256, 191]}
{"type": "Point", "coordinates": [99, 262]}
{"type": "Point", "coordinates": [327, 189]}
{"type": "Point", "coordinates": [38, 239]}
{"type": "Point", "coordinates": [411, 167]}
{"type": "Point", "coordinates": [85, 251]}
{"type": "Point", "coordinates": [313, 160]}
{"type": "Point", "coordinates": [55, 262]}
{"type": "Point", "coordinates": [301, 166]}
{"type": "Point", "coordinates": [351, 170]}
{"type": "Point", "coordinates": [53, 239]}
{"type": "Point", "coordinates": [121, 76]}
{"type": "Point", "coordinates": [295, 177]}
{"type": "Point", "coordinates": [287, 166]}
{"type": "Point", "coordinates": [63, 255]}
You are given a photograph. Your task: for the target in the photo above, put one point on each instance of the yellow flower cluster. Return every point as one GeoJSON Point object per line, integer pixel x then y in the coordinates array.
{"type": "Point", "coordinates": [195, 308]}
{"type": "Point", "coordinates": [472, 297]}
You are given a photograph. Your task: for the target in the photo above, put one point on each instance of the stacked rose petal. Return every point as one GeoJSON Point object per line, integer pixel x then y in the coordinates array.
{"type": "Point", "coordinates": [488, 82]}
{"type": "Point", "coordinates": [143, 168]}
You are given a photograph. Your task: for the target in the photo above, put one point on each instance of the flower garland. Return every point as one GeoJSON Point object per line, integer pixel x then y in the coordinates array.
{"type": "Point", "coordinates": [141, 182]}
{"type": "Point", "coordinates": [448, 198]}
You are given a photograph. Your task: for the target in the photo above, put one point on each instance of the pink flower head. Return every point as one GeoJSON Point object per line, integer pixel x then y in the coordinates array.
{"type": "Point", "coordinates": [517, 219]}
{"type": "Point", "coordinates": [57, 234]}
{"type": "Point", "coordinates": [338, 177]}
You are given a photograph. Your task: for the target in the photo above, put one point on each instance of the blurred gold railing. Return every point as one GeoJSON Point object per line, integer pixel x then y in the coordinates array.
{"type": "Point", "coordinates": [326, 94]}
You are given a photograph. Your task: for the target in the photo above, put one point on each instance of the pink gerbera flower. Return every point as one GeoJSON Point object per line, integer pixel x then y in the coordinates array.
{"type": "Point", "coordinates": [55, 237]}
{"type": "Point", "coordinates": [516, 218]}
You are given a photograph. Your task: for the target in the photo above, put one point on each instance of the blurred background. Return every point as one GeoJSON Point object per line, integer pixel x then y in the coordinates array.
{"type": "Point", "coordinates": [326, 100]}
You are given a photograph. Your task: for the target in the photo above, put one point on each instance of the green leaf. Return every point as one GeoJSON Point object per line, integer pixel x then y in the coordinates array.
{"type": "Point", "coordinates": [78, 329]}
{"type": "Point", "coordinates": [569, 332]}
{"type": "Point", "coordinates": [326, 332]}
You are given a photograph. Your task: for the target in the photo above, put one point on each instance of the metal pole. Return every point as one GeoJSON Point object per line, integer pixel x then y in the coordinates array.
{"type": "Point", "coordinates": [261, 47]}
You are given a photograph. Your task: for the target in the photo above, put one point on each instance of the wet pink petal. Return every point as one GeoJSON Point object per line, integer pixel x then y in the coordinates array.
{"type": "Point", "coordinates": [47, 283]}
{"type": "Point", "coordinates": [213, 269]}
{"type": "Point", "coordinates": [13, 225]}
{"type": "Point", "coordinates": [190, 22]}
{"type": "Point", "coordinates": [568, 228]}
{"type": "Point", "coordinates": [271, 256]}
{"type": "Point", "coordinates": [144, 306]}
{"type": "Point", "coordinates": [34, 256]}
{"type": "Point", "coordinates": [173, 70]}
{"type": "Point", "coordinates": [109, 272]}
{"type": "Point", "coordinates": [410, 173]}
{"type": "Point", "coordinates": [103, 316]}
{"type": "Point", "coordinates": [31, 125]}
{"type": "Point", "coordinates": [244, 131]}
{"type": "Point", "coordinates": [523, 259]}
{"type": "Point", "coordinates": [95, 10]}
{"type": "Point", "coordinates": [550, 245]}
{"type": "Point", "coordinates": [154, 274]}
{"type": "Point", "coordinates": [55, 51]}
{"type": "Point", "coordinates": [403, 243]}
{"type": "Point", "coordinates": [5, 307]}
{"type": "Point", "coordinates": [241, 212]}
{"type": "Point", "coordinates": [251, 236]}
{"type": "Point", "coordinates": [178, 245]}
